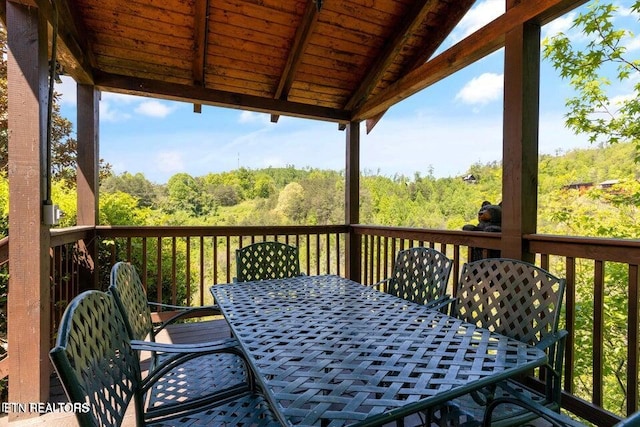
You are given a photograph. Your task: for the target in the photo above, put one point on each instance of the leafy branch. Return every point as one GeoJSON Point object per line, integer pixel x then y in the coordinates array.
{"type": "Point", "coordinates": [593, 111]}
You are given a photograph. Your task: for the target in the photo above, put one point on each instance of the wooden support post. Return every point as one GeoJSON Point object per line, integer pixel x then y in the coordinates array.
{"type": "Point", "coordinates": [352, 200]}
{"type": "Point", "coordinates": [87, 175]}
{"type": "Point", "coordinates": [520, 145]}
{"type": "Point", "coordinates": [29, 299]}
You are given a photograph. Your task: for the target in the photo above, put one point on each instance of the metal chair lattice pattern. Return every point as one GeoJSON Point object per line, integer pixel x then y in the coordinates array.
{"type": "Point", "coordinates": [519, 300]}
{"type": "Point", "coordinates": [267, 260]}
{"type": "Point", "coordinates": [194, 378]}
{"type": "Point", "coordinates": [419, 275]}
{"type": "Point", "coordinates": [100, 369]}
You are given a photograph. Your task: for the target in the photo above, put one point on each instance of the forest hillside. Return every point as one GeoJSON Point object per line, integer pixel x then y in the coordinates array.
{"type": "Point", "coordinates": [581, 192]}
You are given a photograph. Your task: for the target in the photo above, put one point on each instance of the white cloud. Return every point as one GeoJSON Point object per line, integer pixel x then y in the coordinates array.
{"type": "Point", "coordinates": [479, 16]}
{"type": "Point", "coordinates": [482, 89]}
{"type": "Point", "coordinates": [562, 24]}
{"type": "Point", "coordinates": [119, 98]}
{"type": "Point", "coordinates": [169, 162]}
{"type": "Point", "coordinates": [634, 44]}
{"type": "Point", "coordinates": [627, 11]}
{"type": "Point", "coordinates": [153, 108]}
{"type": "Point", "coordinates": [110, 114]}
{"type": "Point", "coordinates": [253, 117]}
{"type": "Point", "coordinates": [67, 90]}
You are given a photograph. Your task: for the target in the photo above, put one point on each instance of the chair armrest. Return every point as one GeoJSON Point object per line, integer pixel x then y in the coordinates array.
{"type": "Point", "coordinates": [551, 339]}
{"type": "Point", "coordinates": [188, 353]}
{"type": "Point", "coordinates": [440, 303]}
{"type": "Point", "coordinates": [213, 308]}
{"type": "Point", "coordinates": [554, 418]}
{"type": "Point", "coordinates": [204, 348]}
{"type": "Point", "coordinates": [381, 285]}
{"type": "Point", "coordinates": [183, 312]}
{"type": "Point", "coordinates": [173, 363]}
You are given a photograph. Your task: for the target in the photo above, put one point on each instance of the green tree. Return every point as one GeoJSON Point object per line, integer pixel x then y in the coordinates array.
{"type": "Point", "coordinates": [184, 193]}
{"type": "Point", "coordinates": [136, 185]}
{"type": "Point", "coordinates": [291, 202]}
{"type": "Point", "coordinates": [593, 110]}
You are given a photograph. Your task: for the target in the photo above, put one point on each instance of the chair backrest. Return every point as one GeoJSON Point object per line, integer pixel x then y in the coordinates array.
{"type": "Point", "coordinates": [131, 299]}
{"type": "Point", "coordinates": [420, 275]}
{"type": "Point", "coordinates": [511, 297]}
{"type": "Point", "coordinates": [95, 363]}
{"type": "Point", "coordinates": [267, 260]}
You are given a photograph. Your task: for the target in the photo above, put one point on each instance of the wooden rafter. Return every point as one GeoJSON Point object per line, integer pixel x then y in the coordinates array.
{"type": "Point", "coordinates": [300, 41]}
{"type": "Point", "coordinates": [455, 13]}
{"type": "Point", "coordinates": [478, 45]}
{"type": "Point", "coordinates": [414, 19]}
{"type": "Point", "coordinates": [200, 28]}
{"type": "Point", "coordinates": [189, 93]}
{"type": "Point", "coordinates": [73, 52]}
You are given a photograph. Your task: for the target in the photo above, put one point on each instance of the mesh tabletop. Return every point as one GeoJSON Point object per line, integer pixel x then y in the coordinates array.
{"type": "Point", "coordinates": [329, 351]}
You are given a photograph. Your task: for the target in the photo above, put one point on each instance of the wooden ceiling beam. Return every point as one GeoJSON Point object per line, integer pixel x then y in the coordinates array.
{"type": "Point", "coordinates": [300, 42]}
{"type": "Point", "coordinates": [200, 29]}
{"type": "Point", "coordinates": [73, 53]}
{"type": "Point", "coordinates": [204, 96]}
{"type": "Point", "coordinates": [455, 13]}
{"type": "Point", "coordinates": [415, 18]}
{"type": "Point", "coordinates": [477, 45]}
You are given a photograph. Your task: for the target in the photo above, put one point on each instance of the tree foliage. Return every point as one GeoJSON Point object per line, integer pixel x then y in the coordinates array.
{"type": "Point", "coordinates": [594, 110]}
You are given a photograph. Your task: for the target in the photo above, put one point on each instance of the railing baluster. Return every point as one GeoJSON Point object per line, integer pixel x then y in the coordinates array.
{"type": "Point", "coordinates": [338, 257]}
{"type": "Point", "coordinates": [385, 264]}
{"type": "Point", "coordinates": [633, 335]}
{"type": "Point", "coordinates": [159, 272]}
{"type": "Point", "coordinates": [570, 316]}
{"type": "Point", "coordinates": [174, 272]}
{"type": "Point", "coordinates": [188, 270]}
{"type": "Point", "coordinates": [328, 252]}
{"type": "Point", "coordinates": [378, 259]}
{"type": "Point", "coordinates": [318, 253]}
{"type": "Point", "coordinates": [144, 263]}
{"type": "Point", "coordinates": [309, 249]}
{"type": "Point", "coordinates": [201, 290]}
{"type": "Point", "coordinates": [214, 240]}
{"type": "Point", "coordinates": [598, 332]}
{"type": "Point", "coordinates": [228, 260]}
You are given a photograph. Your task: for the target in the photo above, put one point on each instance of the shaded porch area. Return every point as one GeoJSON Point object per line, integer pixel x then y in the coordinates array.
{"type": "Point", "coordinates": [368, 74]}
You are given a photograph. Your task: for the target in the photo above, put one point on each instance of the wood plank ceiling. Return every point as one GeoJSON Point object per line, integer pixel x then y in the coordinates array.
{"type": "Point", "coordinates": [333, 60]}
{"type": "Point", "coordinates": [322, 59]}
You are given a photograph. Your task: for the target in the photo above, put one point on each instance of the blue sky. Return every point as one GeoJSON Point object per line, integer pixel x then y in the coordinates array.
{"type": "Point", "coordinates": [442, 130]}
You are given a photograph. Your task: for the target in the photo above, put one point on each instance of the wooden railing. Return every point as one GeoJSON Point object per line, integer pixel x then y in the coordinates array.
{"type": "Point", "coordinates": [71, 265]}
{"type": "Point", "coordinates": [197, 257]}
{"type": "Point", "coordinates": [187, 260]}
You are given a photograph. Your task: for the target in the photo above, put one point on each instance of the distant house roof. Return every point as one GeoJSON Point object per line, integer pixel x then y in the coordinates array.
{"type": "Point", "coordinates": [470, 179]}
{"type": "Point", "coordinates": [578, 186]}
{"type": "Point", "coordinates": [608, 183]}
{"type": "Point", "coordinates": [586, 185]}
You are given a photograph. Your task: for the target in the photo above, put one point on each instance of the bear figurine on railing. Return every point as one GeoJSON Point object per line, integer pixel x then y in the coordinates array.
{"type": "Point", "coordinates": [490, 220]}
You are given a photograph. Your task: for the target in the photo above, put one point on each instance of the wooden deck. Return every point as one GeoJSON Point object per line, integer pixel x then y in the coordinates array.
{"type": "Point", "coordinates": [179, 334]}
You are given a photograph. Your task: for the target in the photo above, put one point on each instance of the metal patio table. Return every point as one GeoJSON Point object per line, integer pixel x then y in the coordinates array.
{"type": "Point", "coordinates": [329, 351]}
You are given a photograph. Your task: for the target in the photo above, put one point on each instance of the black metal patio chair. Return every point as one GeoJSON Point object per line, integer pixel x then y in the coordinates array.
{"type": "Point", "coordinates": [267, 260]}
{"type": "Point", "coordinates": [521, 301]}
{"type": "Point", "coordinates": [193, 379]}
{"type": "Point", "coordinates": [100, 371]}
{"type": "Point", "coordinates": [419, 275]}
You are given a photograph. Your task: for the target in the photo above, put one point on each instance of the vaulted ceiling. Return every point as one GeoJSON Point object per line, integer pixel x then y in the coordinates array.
{"type": "Point", "coordinates": [333, 60]}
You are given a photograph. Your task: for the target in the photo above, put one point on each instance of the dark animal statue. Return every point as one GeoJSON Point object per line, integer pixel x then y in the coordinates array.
{"type": "Point", "coordinates": [490, 220]}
